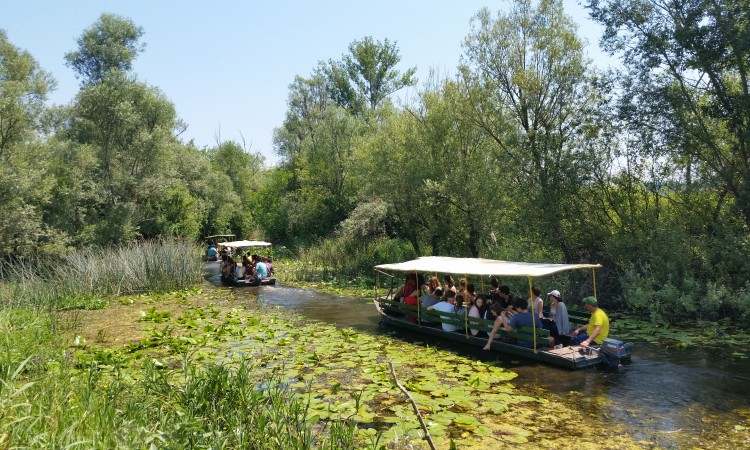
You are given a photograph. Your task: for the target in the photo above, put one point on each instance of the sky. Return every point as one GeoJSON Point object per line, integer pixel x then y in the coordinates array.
{"type": "Point", "coordinates": [227, 65]}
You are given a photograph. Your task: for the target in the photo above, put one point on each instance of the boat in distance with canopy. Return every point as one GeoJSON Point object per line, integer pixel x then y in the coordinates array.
{"type": "Point", "coordinates": [234, 280]}
{"type": "Point", "coordinates": [611, 353]}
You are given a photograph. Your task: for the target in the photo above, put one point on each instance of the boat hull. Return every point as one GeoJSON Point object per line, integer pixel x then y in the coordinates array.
{"type": "Point", "coordinates": [573, 357]}
{"type": "Point", "coordinates": [245, 283]}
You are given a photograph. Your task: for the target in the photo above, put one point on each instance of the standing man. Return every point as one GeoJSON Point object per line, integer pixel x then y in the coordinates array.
{"type": "Point", "coordinates": [598, 326]}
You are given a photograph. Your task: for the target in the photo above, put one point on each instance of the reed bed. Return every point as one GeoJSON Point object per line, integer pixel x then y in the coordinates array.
{"type": "Point", "coordinates": [215, 406]}
{"type": "Point", "coordinates": [81, 279]}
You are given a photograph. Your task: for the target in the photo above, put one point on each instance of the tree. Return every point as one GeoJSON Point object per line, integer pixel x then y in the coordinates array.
{"type": "Point", "coordinates": [366, 75]}
{"type": "Point", "coordinates": [431, 165]}
{"type": "Point", "coordinates": [525, 76]}
{"type": "Point", "coordinates": [691, 61]}
{"type": "Point", "coordinates": [131, 127]}
{"type": "Point", "coordinates": [24, 177]}
{"type": "Point", "coordinates": [23, 91]}
{"type": "Point", "coordinates": [111, 44]}
{"type": "Point", "coordinates": [316, 143]}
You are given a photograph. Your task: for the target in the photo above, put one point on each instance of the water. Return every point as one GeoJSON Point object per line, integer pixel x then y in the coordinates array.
{"type": "Point", "coordinates": [663, 390]}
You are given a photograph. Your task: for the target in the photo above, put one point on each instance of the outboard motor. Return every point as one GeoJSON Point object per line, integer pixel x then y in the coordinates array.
{"type": "Point", "coordinates": [615, 352]}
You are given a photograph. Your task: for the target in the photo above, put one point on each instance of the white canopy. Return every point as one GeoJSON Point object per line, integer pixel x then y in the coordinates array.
{"type": "Point", "coordinates": [480, 266]}
{"type": "Point", "coordinates": [236, 244]}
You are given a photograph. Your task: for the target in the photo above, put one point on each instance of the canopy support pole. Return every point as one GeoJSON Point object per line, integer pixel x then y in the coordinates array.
{"type": "Point", "coordinates": [419, 303]}
{"type": "Point", "coordinates": [533, 314]}
{"type": "Point", "coordinates": [466, 310]}
{"type": "Point", "coordinates": [593, 276]}
{"type": "Point", "coordinates": [377, 283]}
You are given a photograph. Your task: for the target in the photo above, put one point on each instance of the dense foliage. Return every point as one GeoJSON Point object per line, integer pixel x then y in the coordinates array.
{"type": "Point", "coordinates": [527, 152]}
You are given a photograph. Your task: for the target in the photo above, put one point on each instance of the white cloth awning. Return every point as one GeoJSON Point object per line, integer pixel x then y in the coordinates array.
{"type": "Point", "coordinates": [480, 266]}
{"type": "Point", "coordinates": [236, 244]}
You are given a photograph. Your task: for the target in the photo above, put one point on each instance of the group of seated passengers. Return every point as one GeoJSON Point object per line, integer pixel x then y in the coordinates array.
{"type": "Point", "coordinates": [506, 310]}
{"type": "Point", "coordinates": [252, 267]}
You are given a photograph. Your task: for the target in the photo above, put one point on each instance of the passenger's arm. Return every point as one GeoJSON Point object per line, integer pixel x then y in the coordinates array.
{"type": "Point", "coordinates": [579, 329]}
{"type": "Point", "coordinates": [592, 336]}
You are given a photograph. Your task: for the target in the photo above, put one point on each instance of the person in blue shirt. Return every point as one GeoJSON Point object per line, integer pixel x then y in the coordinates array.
{"type": "Point", "coordinates": [522, 318]}
{"type": "Point", "coordinates": [211, 253]}
{"type": "Point", "coordinates": [262, 269]}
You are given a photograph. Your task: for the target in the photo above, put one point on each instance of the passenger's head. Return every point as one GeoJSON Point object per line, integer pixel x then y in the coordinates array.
{"type": "Point", "coordinates": [462, 283]}
{"type": "Point", "coordinates": [520, 303]}
{"type": "Point", "coordinates": [459, 301]}
{"type": "Point", "coordinates": [536, 290]}
{"type": "Point", "coordinates": [479, 301]}
{"type": "Point", "coordinates": [590, 303]}
{"type": "Point", "coordinates": [496, 308]}
{"type": "Point", "coordinates": [504, 291]}
{"type": "Point", "coordinates": [434, 283]}
{"type": "Point", "coordinates": [438, 292]}
{"type": "Point", "coordinates": [496, 299]}
{"type": "Point", "coordinates": [471, 288]}
{"type": "Point", "coordinates": [450, 295]}
{"type": "Point", "coordinates": [494, 283]}
{"type": "Point", "coordinates": [449, 280]}
{"type": "Point", "coordinates": [554, 296]}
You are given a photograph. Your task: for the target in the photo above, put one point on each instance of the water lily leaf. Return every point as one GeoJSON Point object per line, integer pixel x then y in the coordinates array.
{"type": "Point", "coordinates": [498, 408]}
{"type": "Point", "coordinates": [466, 421]}
{"type": "Point", "coordinates": [425, 386]}
{"type": "Point", "coordinates": [483, 431]}
{"type": "Point", "coordinates": [443, 417]}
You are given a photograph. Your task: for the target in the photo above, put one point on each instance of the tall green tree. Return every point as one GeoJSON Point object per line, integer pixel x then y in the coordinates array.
{"type": "Point", "coordinates": [111, 44]}
{"type": "Point", "coordinates": [367, 75]}
{"type": "Point", "coordinates": [131, 128]}
{"type": "Point", "coordinates": [24, 180]}
{"type": "Point", "coordinates": [23, 90]}
{"type": "Point", "coordinates": [690, 62]}
{"type": "Point", "coordinates": [432, 166]}
{"type": "Point", "coordinates": [525, 75]}
{"type": "Point", "coordinates": [315, 144]}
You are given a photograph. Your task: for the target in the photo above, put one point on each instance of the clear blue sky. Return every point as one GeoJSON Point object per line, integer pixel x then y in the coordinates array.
{"type": "Point", "coordinates": [226, 65]}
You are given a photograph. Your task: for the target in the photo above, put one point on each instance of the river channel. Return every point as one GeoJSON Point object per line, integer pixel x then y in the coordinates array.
{"type": "Point", "coordinates": [663, 390]}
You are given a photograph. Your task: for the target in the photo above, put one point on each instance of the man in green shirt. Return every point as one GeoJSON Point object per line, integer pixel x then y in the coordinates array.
{"type": "Point", "coordinates": [597, 330]}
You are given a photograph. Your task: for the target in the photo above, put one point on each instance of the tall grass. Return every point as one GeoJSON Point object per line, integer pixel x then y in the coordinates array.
{"type": "Point", "coordinates": [211, 407]}
{"type": "Point", "coordinates": [78, 279]}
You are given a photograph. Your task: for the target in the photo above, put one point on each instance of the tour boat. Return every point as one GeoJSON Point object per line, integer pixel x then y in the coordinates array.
{"type": "Point", "coordinates": [611, 353]}
{"type": "Point", "coordinates": [237, 247]}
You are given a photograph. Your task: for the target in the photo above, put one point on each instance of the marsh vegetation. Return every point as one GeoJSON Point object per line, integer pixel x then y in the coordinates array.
{"type": "Point", "coordinates": [207, 367]}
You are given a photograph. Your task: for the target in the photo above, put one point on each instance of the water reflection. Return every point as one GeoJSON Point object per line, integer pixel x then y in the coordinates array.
{"type": "Point", "coordinates": [662, 390]}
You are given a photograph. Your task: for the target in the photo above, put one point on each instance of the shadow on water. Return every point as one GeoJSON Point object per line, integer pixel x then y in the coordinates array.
{"type": "Point", "coordinates": [663, 389]}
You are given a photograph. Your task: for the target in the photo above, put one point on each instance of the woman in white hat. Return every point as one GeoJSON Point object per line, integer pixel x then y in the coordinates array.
{"type": "Point", "coordinates": [558, 322]}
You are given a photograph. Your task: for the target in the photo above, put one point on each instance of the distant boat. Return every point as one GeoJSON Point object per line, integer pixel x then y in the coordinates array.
{"type": "Point", "coordinates": [235, 247]}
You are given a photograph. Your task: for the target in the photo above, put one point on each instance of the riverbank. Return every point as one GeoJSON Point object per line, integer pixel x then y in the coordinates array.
{"type": "Point", "coordinates": [154, 344]}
